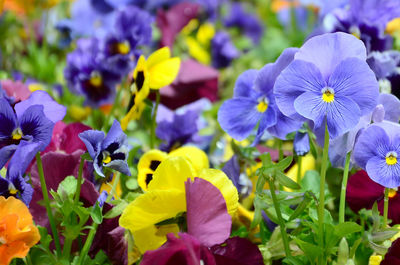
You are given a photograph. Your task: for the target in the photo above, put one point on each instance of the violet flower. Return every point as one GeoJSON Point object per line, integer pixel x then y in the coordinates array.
{"type": "Point", "coordinates": [328, 81]}
{"type": "Point", "coordinates": [110, 151]}
{"type": "Point", "coordinates": [222, 49]}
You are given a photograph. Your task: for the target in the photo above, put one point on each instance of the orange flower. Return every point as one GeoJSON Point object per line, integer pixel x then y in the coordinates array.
{"type": "Point", "coordinates": [17, 231]}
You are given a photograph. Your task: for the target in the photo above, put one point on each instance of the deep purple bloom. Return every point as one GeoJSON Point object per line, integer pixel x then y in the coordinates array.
{"type": "Point", "coordinates": [250, 24]}
{"type": "Point", "coordinates": [388, 109]}
{"type": "Point", "coordinates": [232, 170]}
{"type": "Point", "coordinates": [377, 150]}
{"type": "Point", "coordinates": [110, 151]}
{"type": "Point", "coordinates": [222, 50]}
{"type": "Point", "coordinates": [328, 82]}
{"type": "Point", "coordinates": [180, 127]}
{"type": "Point", "coordinates": [384, 64]}
{"type": "Point", "coordinates": [254, 102]}
{"type": "Point", "coordinates": [301, 143]}
{"type": "Point", "coordinates": [393, 255]}
{"type": "Point", "coordinates": [87, 74]}
{"type": "Point", "coordinates": [27, 127]}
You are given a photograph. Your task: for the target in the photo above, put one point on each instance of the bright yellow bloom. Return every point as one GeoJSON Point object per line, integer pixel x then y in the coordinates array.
{"type": "Point", "coordinates": [17, 231]}
{"type": "Point", "coordinates": [199, 46]}
{"type": "Point", "coordinates": [149, 162]}
{"type": "Point", "coordinates": [166, 199]}
{"type": "Point", "coordinates": [79, 113]}
{"type": "Point", "coordinates": [158, 71]}
{"type": "Point", "coordinates": [393, 26]}
{"type": "Point", "coordinates": [375, 260]}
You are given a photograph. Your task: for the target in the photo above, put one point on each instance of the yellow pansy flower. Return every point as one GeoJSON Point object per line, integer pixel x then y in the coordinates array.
{"type": "Point", "coordinates": [149, 162]}
{"type": "Point", "coordinates": [199, 46]}
{"type": "Point", "coordinates": [158, 71]}
{"type": "Point", "coordinates": [166, 198]}
{"type": "Point", "coordinates": [393, 26]}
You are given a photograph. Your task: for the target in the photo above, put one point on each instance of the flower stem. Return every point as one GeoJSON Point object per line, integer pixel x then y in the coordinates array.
{"type": "Point", "coordinates": [321, 204]}
{"type": "Point", "coordinates": [280, 219]}
{"type": "Point", "coordinates": [280, 148]}
{"type": "Point", "coordinates": [47, 204]}
{"type": "Point", "coordinates": [386, 208]}
{"type": "Point", "coordinates": [343, 190]}
{"type": "Point", "coordinates": [93, 229]}
{"type": "Point", "coordinates": [299, 169]}
{"type": "Point", "coordinates": [153, 120]}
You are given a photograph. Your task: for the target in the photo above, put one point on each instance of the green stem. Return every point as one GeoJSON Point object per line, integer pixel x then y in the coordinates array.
{"type": "Point", "coordinates": [321, 204]}
{"type": "Point", "coordinates": [68, 240]}
{"type": "Point", "coordinates": [299, 165]}
{"type": "Point", "coordinates": [280, 148]}
{"type": "Point", "coordinates": [93, 229]}
{"type": "Point", "coordinates": [343, 190]}
{"type": "Point", "coordinates": [47, 204]}
{"type": "Point", "coordinates": [386, 208]}
{"type": "Point", "coordinates": [153, 121]}
{"type": "Point", "coordinates": [280, 219]}
{"type": "Point", "coordinates": [28, 259]}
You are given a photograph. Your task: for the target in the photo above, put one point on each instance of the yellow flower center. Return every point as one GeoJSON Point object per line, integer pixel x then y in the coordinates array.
{"type": "Point", "coordinates": [107, 159]}
{"type": "Point", "coordinates": [123, 47]}
{"type": "Point", "coordinates": [17, 134]}
{"type": "Point", "coordinates": [328, 95]}
{"type": "Point", "coordinates": [391, 158]}
{"type": "Point", "coordinates": [13, 191]}
{"type": "Point", "coordinates": [392, 193]}
{"type": "Point", "coordinates": [262, 106]}
{"type": "Point", "coordinates": [95, 79]}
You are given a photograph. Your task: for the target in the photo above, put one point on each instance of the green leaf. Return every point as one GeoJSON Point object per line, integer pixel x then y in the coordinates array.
{"type": "Point", "coordinates": [381, 250]}
{"type": "Point", "coordinates": [311, 251]}
{"type": "Point", "coordinates": [132, 184]}
{"type": "Point", "coordinates": [67, 187]}
{"type": "Point", "coordinates": [96, 214]}
{"type": "Point", "coordinates": [87, 157]}
{"type": "Point", "coordinates": [343, 252]}
{"type": "Point", "coordinates": [286, 181]}
{"type": "Point", "coordinates": [300, 208]}
{"type": "Point", "coordinates": [284, 163]}
{"type": "Point", "coordinates": [45, 238]}
{"type": "Point", "coordinates": [311, 181]}
{"type": "Point", "coordinates": [117, 210]}
{"type": "Point", "coordinates": [354, 247]}
{"type": "Point", "coordinates": [346, 228]}
{"type": "Point", "coordinates": [383, 235]}
{"type": "Point", "coordinates": [376, 218]}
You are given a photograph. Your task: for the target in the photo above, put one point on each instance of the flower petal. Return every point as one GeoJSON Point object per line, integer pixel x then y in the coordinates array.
{"type": "Point", "coordinates": [8, 120]}
{"type": "Point", "coordinates": [195, 155]}
{"type": "Point", "coordinates": [297, 78]}
{"type": "Point", "coordinates": [207, 216]}
{"type": "Point", "coordinates": [114, 135]}
{"type": "Point", "coordinates": [311, 106]}
{"type": "Point", "coordinates": [238, 117]}
{"type": "Point", "coordinates": [391, 104]}
{"type": "Point", "coordinates": [354, 79]}
{"type": "Point", "coordinates": [5, 154]}
{"type": "Point", "coordinates": [92, 140]}
{"type": "Point", "coordinates": [152, 237]}
{"type": "Point", "coordinates": [328, 50]}
{"type": "Point", "coordinates": [244, 84]}
{"type": "Point", "coordinates": [153, 207]}
{"type": "Point", "coordinates": [164, 73]}
{"type": "Point", "coordinates": [382, 173]}
{"type": "Point", "coordinates": [284, 125]}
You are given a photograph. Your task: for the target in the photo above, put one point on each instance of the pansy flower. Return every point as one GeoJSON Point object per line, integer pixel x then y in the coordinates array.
{"type": "Point", "coordinates": [150, 161]}
{"type": "Point", "coordinates": [223, 51]}
{"type": "Point", "coordinates": [17, 231]}
{"type": "Point", "coordinates": [109, 151]}
{"type": "Point", "coordinates": [329, 82]}
{"type": "Point", "coordinates": [157, 71]}
{"type": "Point", "coordinates": [377, 150]}
{"type": "Point", "coordinates": [167, 197]}
{"type": "Point", "coordinates": [254, 103]}
{"type": "Point", "coordinates": [88, 75]}
{"type": "Point", "coordinates": [28, 126]}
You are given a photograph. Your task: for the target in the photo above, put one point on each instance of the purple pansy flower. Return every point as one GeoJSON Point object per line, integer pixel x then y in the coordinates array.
{"type": "Point", "coordinates": [254, 102]}
{"type": "Point", "coordinates": [377, 150]}
{"type": "Point", "coordinates": [328, 81]}
{"type": "Point", "coordinates": [301, 143]}
{"type": "Point", "coordinates": [88, 75]}
{"type": "Point", "coordinates": [222, 50]}
{"type": "Point", "coordinates": [28, 126]}
{"type": "Point", "coordinates": [388, 109]}
{"type": "Point", "coordinates": [247, 22]}
{"type": "Point", "coordinates": [110, 151]}
{"type": "Point", "coordinates": [241, 181]}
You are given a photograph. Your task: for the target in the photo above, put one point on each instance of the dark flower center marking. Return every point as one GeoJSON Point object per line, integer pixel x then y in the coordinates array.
{"type": "Point", "coordinates": [154, 164]}
{"type": "Point", "coordinates": [139, 80]}
{"type": "Point", "coordinates": [391, 158]}
{"type": "Point", "coordinates": [328, 95]}
{"type": "Point", "coordinates": [149, 177]}
{"type": "Point", "coordinates": [17, 134]}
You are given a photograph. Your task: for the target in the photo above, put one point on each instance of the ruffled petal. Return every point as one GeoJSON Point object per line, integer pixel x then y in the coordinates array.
{"type": "Point", "coordinates": [114, 135]}
{"type": "Point", "coordinates": [8, 120]}
{"type": "Point", "coordinates": [354, 79]}
{"type": "Point", "coordinates": [238, 117]}
{"type": "Point", "coordinates": [311, 106]}
{"type": "Point", "coordinates": [391, 104]}
{"type": "Point", "coordinates": [328, 50]}
{"type": "Point", "coordinates": [195, 155]}
{"type": "Point", "coordinates": [284, 125]}
{"type": "Point", "coordinates": [92, 140]}
{"type": "Point", "coordinates": [5, 154]}
{"type": "Point", "coordinates": [244, 85]}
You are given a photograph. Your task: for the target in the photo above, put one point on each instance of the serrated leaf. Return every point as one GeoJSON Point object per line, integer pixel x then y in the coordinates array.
{"type": "Point", "coordinates": [346, 228]}
{"type": "Point", "coordinates": [45, 238]}
{"type": "Point", "coordinates": [286, 181]}
{"type": "Point", "coordinates": [67, 187]}
{"type": "Point", "coordinates": [96, 214]}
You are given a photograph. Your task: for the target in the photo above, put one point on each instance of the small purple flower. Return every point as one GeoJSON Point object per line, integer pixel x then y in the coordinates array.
{"type": "Point", "coordinates": [247, 22]}
{"type": "Point", "coordinates": [384, 64]}
{"type": "Point", "coordinates": [102, 198]}
{"type": "Point", "coordinates": [329, 81]}
{"type": "Point", "coordinates": [109, 151]}
{"type": "Point", "coordinates": [87, 73]}
{"type": "Point", "coordinates": [27, 127]}
{"type": "Point", "coordinates": [301, 143]}
{"type": "Point", "coordinates": [222, 50]}
{"type": "Point", "coordinates": [377, 150]}
{"type": "Point", "coordinates": [254, 102]}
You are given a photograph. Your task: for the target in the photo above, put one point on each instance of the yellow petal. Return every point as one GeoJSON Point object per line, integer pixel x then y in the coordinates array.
{"type": "Point", "coordinates": [153, 237]}
{"type": "Point", "coordinates": [393, 26]}
{"type": "Point", "coordinates": [195, 155]}
{"type": "Point", "coordinates": [307, 163]}
{"type": "Point", "coordinates": [158, 56]}
{"type": "Point", "coordinates": [205, 33]}
{"type": "Point", "coordinates": [197, 51]}
{"type": "Point", "coordinates": [151, 208]}
{"type": "Point", "coordinates": [225, 185]}
{"type": "Point", "coordinates": [172, 174]}
{"type": "Point", "coordinates": [148, 163]}
{"type": "Point", "coordinates": [107, 186]}
{"type": "Point", "coordinates": [164, 73]}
